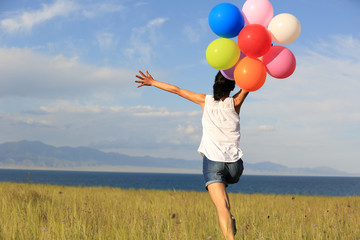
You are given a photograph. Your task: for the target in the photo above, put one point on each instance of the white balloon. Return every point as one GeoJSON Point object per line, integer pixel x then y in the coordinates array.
{"type": "Point", "coordinates": [285, 28]}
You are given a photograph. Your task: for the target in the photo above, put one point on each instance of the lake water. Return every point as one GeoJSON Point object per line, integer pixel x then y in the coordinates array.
{"type": "Point", "coordinates": [292, 185]}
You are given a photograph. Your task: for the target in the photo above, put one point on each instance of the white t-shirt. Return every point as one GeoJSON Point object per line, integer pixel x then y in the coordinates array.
{"type": "Point", "coordinates": [221, 131]}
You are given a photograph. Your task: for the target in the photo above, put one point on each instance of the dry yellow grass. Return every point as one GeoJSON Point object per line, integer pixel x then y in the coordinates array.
{"type": "Point", "coordinates": [29, 211]}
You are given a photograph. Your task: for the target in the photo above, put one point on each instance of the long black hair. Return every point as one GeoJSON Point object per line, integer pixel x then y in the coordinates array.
{"type": "Point", "coordinates": [222, 86]}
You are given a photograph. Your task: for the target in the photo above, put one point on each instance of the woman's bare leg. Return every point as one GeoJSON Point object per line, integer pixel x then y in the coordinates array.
{"type": "Point", "coordinates": [220, 198]}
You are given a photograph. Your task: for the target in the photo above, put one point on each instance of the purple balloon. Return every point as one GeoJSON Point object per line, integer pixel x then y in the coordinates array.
{"type": "Point", "coordinates": [229, 73]}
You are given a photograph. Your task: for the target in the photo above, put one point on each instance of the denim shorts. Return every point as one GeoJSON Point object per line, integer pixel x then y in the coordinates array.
{"type": "Point", "coordinates": [227, 173]}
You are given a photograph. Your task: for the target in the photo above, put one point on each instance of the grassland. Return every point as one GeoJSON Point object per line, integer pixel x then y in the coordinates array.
{"type": "Point", "coordinates": [30, 211]}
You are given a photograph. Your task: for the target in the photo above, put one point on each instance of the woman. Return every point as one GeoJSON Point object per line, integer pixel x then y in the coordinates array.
{"type": "Point", "coordinates": [222, 164]}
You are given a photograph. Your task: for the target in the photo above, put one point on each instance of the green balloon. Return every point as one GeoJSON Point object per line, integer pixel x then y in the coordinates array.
{"type": "Point", "coordinates": [222, 53]}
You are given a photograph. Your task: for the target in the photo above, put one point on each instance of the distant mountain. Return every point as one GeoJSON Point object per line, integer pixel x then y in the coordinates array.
{"type": "Point", "coordinates": [38, 154]}
{"type": "Point", "coordinates": [269, 168]}
{"type": "Point", "coordinates": [34, 154]}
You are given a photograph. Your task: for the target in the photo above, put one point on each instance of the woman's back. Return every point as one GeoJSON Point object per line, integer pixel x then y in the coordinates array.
{"type": "Point", "coordinates": [221, 130]}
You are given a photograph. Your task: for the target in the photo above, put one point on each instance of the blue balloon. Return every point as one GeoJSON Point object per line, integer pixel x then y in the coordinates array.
{"type": "Point", "coordinates": [226, 20]}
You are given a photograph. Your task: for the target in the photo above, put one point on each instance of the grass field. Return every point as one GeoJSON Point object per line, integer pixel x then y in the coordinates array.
{"type": "Point", "coordinates": [30, 211]}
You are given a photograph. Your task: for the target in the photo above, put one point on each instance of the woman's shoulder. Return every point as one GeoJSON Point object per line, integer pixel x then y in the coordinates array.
{"type": "Point", "coordinates": [226, 103]}
{"type": "Point", "coordinates": [209, 98]}
{"type": "Point", "coordinates": [229, 102]}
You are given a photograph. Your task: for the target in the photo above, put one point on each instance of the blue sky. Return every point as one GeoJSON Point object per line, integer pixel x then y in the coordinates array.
{"type": "Point", "coordinates": [67, 72]}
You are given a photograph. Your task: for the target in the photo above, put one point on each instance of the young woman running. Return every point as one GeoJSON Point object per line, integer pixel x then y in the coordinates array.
{"type": "Point", "coordinates": [219, 146]}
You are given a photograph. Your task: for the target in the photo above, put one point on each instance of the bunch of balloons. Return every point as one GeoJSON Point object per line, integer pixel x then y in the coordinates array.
{"type": "Point", "coordinates": [253, 56]}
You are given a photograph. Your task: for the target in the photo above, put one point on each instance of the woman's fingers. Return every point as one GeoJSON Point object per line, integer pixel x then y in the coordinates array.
{"type": "Point", "coordinates": [141, 83]}
{"type": "Point", "coordinates": [142, 74]}
{"type": "Point", "coordinates": [139, 77]}
{"type": "Point", "coordinates": [148, 74]}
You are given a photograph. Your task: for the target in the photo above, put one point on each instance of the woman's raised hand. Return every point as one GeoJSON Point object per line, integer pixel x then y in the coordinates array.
{"type": "Point", "coordinates": [145, 80]}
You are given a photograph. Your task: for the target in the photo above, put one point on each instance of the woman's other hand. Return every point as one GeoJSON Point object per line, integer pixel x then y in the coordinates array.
{"type": "Point", "coordinates": [145, 80]}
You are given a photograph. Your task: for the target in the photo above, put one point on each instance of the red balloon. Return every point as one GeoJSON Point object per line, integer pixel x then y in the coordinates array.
{"type": "Point", "coordinates": [250, 74]}
{"type": "Point", "coordinates": [254, 40]}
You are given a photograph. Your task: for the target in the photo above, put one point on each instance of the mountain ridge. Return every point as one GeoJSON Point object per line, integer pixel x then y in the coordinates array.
{"type": "Point", "coordinates": [35, 154]}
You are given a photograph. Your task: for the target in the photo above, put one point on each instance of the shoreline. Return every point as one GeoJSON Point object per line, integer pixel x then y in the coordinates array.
{"type": "Point", "coordinates": [128, 169]}
{"type": "Point", "coordinates": [132, 169]}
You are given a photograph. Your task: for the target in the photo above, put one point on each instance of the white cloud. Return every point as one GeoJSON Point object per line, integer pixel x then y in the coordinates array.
{"type": "Point", "coordinates": [157, 22]}
{"type": "Point", "coordinates": [266, 128]}
{"type": "Point", "coordinates": [26, 20]}
{"type": "Point", "coordinates": [340, 46]}
{"type": "Point", "coordinates": [27, 120]}
{"type": "Point", "coordinates": [53, 76]}
{"type": "Point", "coordinates": [164, 112]}
{"type": "Point", "coordinates": [188, 129]}
{"type": "Point", "coordinates": [94, 10]}
{"type": "Point", "coordinates": [108, 7]}
{"type": "Point", "coordinates": [197, 30]}
{"type": "Point", "coordinates": [64, 106]}
{"type": "Point", "coordinates": [106, 40]}
{"type": "Point", "coordinates": [114, 127]}
{"type": "Point", "coordinates": [143, 39]}
{"type": "Point", "coordinates": [67, 107]}
{"type": "Point", "coordinates": [138, 4]}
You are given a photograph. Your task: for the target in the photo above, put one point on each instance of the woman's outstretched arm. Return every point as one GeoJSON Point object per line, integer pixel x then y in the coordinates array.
{"type": "Point", "coordinates": [239, 98]}
{"type": "Point", "coordinates": [148, 80]}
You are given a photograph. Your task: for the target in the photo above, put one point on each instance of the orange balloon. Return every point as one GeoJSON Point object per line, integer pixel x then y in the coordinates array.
{"type": "Point", "coordinates": [250, 74]}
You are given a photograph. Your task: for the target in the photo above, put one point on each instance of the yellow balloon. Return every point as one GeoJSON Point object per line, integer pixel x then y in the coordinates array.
{"type": "Point", "coordinates": [222, 53]}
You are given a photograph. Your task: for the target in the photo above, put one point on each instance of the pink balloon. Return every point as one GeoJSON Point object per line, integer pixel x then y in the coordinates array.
{"type": "Point", "coordinates": [229, 73]}
{"type": "Point", "coordinates": [280, 62]}
{"type": "Point", "coordinates": [258, 12]}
